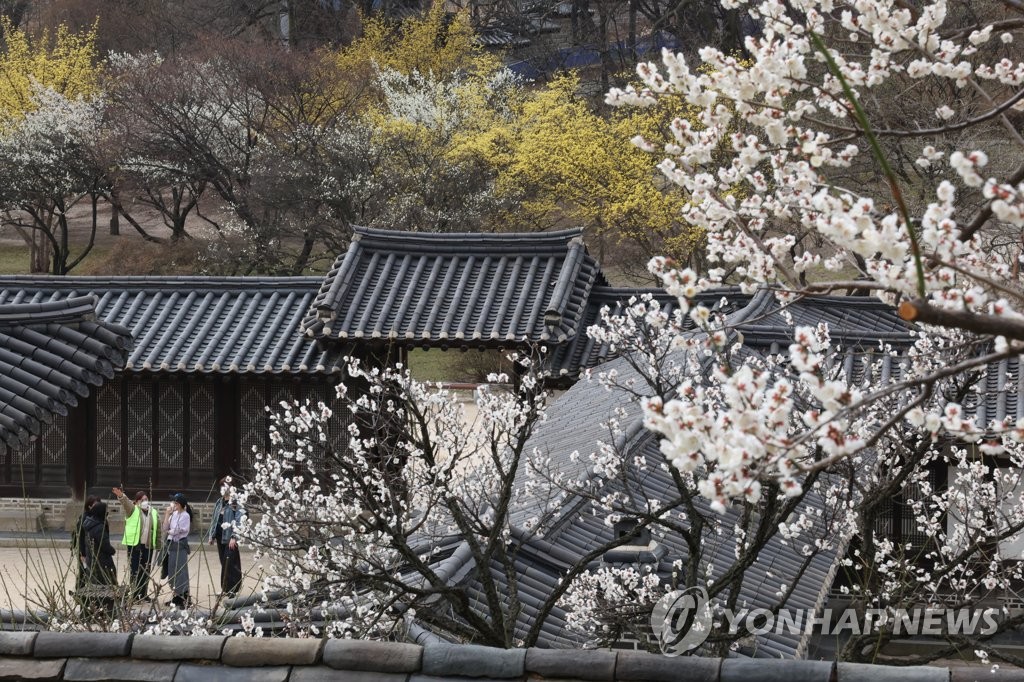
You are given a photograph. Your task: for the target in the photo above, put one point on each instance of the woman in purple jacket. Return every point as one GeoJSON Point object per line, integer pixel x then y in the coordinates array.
{"type": "Point", "coordinates": [176, 526]}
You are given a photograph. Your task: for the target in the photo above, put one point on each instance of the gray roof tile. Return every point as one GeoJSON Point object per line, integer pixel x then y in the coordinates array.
{"type": "Point", "coordinates": [23, 669]}
{"type": "Point", "coordinates": [458, 662]}
{"type": "Point", "coordinates": [422, 289]}
{"type": "Point", "coordinates": [109, 670]}
{"type": "Point", "coordinates": [84, 644]}
{"type": "Point", "coordinates": [198, 324]}
{"type": "Point", "coordinates": [51, 354]}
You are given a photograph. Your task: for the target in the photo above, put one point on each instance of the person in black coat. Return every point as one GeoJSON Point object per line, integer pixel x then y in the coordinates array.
{"type": "Point", "coordinates": [95, 547]}
{"type": "Point", "coordinates": [78, 543]}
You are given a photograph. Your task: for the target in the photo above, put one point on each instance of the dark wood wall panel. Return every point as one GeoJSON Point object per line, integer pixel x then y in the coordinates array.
{"type": "Point", "coordinates": [160, 433]}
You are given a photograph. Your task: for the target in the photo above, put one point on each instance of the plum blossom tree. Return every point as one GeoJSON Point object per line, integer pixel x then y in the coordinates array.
{"type": "Point", "coordinates": [358, 524]}
{"type": "Point", "coordinates": [367, 531]}
{"type": "Point", "coordinates": [50, 163]}
{"type": "Point", "coordinates": [791, 169]}
{"type": "Point", "coordinates": [804, 128]}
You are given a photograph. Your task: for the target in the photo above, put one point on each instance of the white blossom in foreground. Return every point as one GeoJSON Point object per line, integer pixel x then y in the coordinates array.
{"type": "Point", "coordinates": [763, 162]}
{"type": "Point", "coordinates": [790, 161]}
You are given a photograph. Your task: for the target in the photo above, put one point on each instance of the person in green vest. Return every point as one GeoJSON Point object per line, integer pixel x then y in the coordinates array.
{"type": "Point", "coordinates": [141, 537]}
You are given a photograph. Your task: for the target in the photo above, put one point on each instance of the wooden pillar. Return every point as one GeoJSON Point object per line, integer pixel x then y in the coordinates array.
{"type": "Point", "coordinates": [227, 419]}
{"type": "Point", "coordinates": [154, 430]}
{"type": "Point", "coordinates": [81, 452]}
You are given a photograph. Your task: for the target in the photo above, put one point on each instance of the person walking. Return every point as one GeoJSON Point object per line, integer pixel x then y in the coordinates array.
{"type": "Point", "coordinates": [141, 537]}
{"type": "Point", "coordinates": [99, 553]}
{"type": "Point", "coordinates": [177, 524]}
{"type": "Point", "coordinates": [226, 516]}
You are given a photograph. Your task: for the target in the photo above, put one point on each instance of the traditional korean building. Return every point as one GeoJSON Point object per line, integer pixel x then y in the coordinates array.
{"type": "Point", "coordinates": [54, 355]}
{"type": "Point", "coordinates": [188, 402]}
{"type": "Point", "coordinates": [209, 354]}
{"type": "Point", "coordinates": [163, 383]}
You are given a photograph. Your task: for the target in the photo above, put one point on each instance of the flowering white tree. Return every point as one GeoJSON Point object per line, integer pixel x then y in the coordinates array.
{"type": "Point", "coordinates": [359, 525]}
{"type": "Point", "coordinates": [386, 526]}
{"type": "Point", "coordinates": [50, 164]}
{"type": "Point", "coordinates": [794, 174]}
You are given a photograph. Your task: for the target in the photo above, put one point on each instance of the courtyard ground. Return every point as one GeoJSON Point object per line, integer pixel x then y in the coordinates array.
{"type": "Point", "coordinates": [40, 569]}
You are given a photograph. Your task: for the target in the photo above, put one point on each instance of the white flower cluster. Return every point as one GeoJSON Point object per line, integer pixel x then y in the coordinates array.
{"type": "Point", "coordinates": [762, 161]}
{"type": "Point", "coordinates": [356, 520]}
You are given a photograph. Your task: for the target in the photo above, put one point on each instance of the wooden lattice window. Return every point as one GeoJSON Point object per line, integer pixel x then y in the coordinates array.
{"type": "Point", "coordinates": [53, 451]}
{"type": "Point", "coordinates": [140, 424]}
{"type": "Point", "coordinates": [896, 519]}
{"type": "Point", "coordinates": [337, 427]}
{"type": "Point", "coordinates": [281, 393]}
{"type": "Point", "coordinates": [318, 393]}
{"type": "Point", "coordinates": [108, 425]}
{"type": "Point", "coordinates": [253, 417]}
{"type": "Point", "coordinates": [201, 427]}
{"type": "Point", "coordinates": [171, 424]}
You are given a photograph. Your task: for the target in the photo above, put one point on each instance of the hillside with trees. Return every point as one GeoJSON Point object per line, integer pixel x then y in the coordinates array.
{"type": "Point", "coordinates": [232, 150]}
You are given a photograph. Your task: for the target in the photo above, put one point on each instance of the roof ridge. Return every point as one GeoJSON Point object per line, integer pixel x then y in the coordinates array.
{"type": "Point", "coordinates": [152, 281]}
{"type": "Point", "coordinates": [75, 308]}
{"type": "Point", "coordinates": [562, 237]}
{"type": "Point", "coordinates": [571, 267]}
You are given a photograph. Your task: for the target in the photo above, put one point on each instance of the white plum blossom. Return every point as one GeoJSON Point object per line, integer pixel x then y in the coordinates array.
{"type": "Point", "coordinates": [763, 159]}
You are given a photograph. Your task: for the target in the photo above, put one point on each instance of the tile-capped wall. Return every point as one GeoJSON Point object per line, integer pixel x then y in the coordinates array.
{"type": "Point", "coordinates": [110, 656]}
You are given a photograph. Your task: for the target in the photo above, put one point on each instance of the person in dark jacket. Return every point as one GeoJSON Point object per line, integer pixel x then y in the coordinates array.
{"type": "Point", "coordinates": [227, 514]}
{"type": "Point", "coordinates": [95, 539]}
{"type": "Point", "coordinates": [78, 543]}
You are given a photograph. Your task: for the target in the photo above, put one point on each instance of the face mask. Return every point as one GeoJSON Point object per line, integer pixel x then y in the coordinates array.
{"type": "Point", "coordinates": [145, 505]}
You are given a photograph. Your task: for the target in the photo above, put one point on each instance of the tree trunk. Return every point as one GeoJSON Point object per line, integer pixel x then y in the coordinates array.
{"type": "Point", "coordinates": [632, 32]}
{"type": "Point", "coordinates": [115, 216]}
{"type": "Point", "coordinates": [603, 48]}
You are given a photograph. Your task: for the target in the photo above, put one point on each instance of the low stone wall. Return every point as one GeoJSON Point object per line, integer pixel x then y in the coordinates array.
{"type": "Point", "coordinates": [95, 656]}
{"type": "Point", "coordinates": [28, 515]}
{"type": "Point", "coordinates": [47, 513]}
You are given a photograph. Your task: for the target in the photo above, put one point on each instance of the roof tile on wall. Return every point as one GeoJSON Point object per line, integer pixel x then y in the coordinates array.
{"type": "Point", "coordinates": [425, 289]}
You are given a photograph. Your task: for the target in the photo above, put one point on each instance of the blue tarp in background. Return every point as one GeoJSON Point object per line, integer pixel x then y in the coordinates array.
{"type": "Point", "coordinates": [580, 56]}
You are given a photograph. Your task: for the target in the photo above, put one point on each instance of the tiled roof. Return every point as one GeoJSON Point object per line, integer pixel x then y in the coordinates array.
{"type": "Point", "coordinates": [51, 353]}
{"type": "Point", "coordinates": [198, 324]}
{"type": "Point", "coordinates": [419, 289]}
{"type": "Point", "coordinates": [854, 320]}
{"type": "Point", "coordinates": [495, 36]}
{"type": "Point", "coordinates": [110, 656]}
{"type": "Point", "coordinates": [582, 352]}
{"type": "Point", "coordinates": [999, 394]}
{"type": "Point", "coordinates": [575, 424]}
